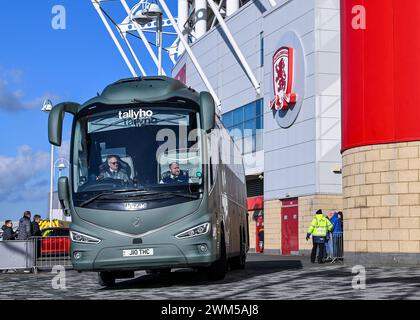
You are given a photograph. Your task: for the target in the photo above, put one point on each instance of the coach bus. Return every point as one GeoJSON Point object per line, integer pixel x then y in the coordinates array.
{"type": "Point", "coordinates": [155, 182]}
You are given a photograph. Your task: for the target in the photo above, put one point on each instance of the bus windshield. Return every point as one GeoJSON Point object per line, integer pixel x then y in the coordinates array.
{"type": "Point", "coordinates": [136, 148]}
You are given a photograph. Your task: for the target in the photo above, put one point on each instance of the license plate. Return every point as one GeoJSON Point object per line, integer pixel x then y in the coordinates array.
{"type": "Point", "coordinates": [138, 252]}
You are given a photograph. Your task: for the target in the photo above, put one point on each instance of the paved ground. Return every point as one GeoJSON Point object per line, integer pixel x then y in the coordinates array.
{"type": "Point", "coordinates": [265, 277]}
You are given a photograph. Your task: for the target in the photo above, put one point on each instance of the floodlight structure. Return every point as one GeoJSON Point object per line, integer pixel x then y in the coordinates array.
{"type": "Point", "coordinates": [147, 16]}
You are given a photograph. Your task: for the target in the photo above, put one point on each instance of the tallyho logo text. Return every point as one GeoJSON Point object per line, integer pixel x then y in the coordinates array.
{"type": "Point", "coordinates": [133, 114]}
{"type": "Point", "coordinates": [136, 117]}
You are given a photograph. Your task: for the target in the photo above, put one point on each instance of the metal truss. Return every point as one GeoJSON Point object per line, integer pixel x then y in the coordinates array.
{"type": "Point", "coordinates": [127, 27]}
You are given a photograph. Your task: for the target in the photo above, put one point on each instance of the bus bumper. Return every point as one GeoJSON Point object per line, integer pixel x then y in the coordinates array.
{"type": "Point", "coordinates": [184, 253]}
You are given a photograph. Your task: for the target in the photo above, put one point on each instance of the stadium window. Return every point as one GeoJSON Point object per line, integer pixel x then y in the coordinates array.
{"type": "Point", "coordinates": [245, 126]}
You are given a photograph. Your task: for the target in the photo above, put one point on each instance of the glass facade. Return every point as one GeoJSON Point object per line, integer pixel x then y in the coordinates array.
{"type": "Point", "coordinates": [245, 125]}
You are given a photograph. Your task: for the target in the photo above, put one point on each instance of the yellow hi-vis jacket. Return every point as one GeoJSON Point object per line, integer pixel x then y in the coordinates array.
{"type": "Point", "coordinates": [320, 225]}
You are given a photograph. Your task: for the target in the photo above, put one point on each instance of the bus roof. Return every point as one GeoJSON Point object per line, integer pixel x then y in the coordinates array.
{"type": "Point", "coordinates": [144, 89]}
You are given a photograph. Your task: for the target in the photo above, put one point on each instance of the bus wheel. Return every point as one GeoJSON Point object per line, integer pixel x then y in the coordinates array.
{"type": "Point", "coordinates": [150, 271]}
{"type": "Point", "coordinates": [242, 255]}
{"type": "Point", "coordinates": [240, 261]}
{"type": "Point", "coordinates": [106, 279]}
{"type": "Point", "coordinates": [158, 271]}
{"type": "Point", "coordinates": [165, 271]}
{"type": "Point", "coordinates": [217, 270]}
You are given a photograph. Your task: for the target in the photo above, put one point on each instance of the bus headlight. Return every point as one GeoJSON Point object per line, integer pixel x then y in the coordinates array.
{"type": "Point", "coordinates": [82, 238]}
{"type": "Point", "coordinates": [193, 232]}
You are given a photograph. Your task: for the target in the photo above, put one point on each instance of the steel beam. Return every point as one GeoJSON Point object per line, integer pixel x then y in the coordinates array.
{"type": "Point", "coordinates": [191, 55]}
{"type": "Point", "coordinates": [235, 46]}
{"type": "Point", "coordinates": [97, 7]}
{"type": "Point", "coordinates": [142, 36]}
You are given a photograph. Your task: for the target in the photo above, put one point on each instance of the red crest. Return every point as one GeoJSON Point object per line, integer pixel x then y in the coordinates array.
{"type": "Point", "coordinates": [283, 79]}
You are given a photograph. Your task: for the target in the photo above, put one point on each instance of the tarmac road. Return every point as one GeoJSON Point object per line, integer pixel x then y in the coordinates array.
{"type": "Point", "coordinates": [265, 277]}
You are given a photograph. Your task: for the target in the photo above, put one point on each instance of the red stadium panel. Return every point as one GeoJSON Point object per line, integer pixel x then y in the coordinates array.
{"type": "Point", "coordinates": [380, 70]}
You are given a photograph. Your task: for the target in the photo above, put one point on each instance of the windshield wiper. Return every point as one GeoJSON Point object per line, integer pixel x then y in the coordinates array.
{"type": "Point", "coordinates": [136, 193]}
{"type": "Point", "coordinates": [100, 195]}
{"type": "Point", "coordinates": [166, 195]}
{"type": "Point", "coordinates": [108, 193]}
{"type": "Point", "coordinates": [180, 194]}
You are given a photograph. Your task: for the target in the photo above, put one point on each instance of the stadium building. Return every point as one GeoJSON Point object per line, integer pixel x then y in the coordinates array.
{"type": "Point", "coordinates": [333, 119]}
{"type": "Point", "coordinates": [323, 96]}
{"type": "Point", "coordinates": [294, 163]}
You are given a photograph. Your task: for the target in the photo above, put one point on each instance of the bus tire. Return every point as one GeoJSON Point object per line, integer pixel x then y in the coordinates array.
{"type": "Point", "coordinates": [165, 270]}
{"type": "Point", "coordinates": [217, 271]}
{"type": "Point", "coordinates": [240, 261]}
{"type": "Point", "coordinates": [159, 271]}
{"type": "Point", "coordinates": [106, 279]}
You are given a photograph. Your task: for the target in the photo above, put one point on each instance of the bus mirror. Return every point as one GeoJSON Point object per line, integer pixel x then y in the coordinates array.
{"type": "Point", "coordinates": [55, 120]}
{"type": "Point", "coordinates": [63, 195]}
{"type": "Point", "coordinates": [207, 111]}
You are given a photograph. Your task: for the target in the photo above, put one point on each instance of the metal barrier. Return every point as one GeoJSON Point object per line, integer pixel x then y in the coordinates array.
{"type": "Point", "coordinates": [17, 254]}
{"type": "Point", "coordinates": [336, 244]}
{"type": "Point", "coordinates": [51, 251]}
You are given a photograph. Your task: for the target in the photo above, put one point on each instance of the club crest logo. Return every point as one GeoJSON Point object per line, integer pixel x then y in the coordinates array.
{"type": "Point", "coordinates": [283, 79]}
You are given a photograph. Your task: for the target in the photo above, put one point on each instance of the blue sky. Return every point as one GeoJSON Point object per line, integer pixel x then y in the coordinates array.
{"type": "Point", "coordinates": [38, 62]}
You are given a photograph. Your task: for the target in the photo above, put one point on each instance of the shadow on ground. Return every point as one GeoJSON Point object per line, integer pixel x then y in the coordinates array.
{"type": "Point", "coordinates": [190, 277]}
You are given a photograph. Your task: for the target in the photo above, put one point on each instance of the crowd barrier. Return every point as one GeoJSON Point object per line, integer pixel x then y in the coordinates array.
{"type": "Point", "coordinates": [51, 251]}
{"type": "Point", "coordinates": [16, 255]}
{"type": "Point", "coordinates": [36, 253]}
{"type": "Point", "coordinates": [335, 247]}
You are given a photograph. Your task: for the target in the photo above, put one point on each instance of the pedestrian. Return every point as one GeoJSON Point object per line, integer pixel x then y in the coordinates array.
{"type": "Point", "coordinates": [261, 239]}
{"type": "Point", "coordinates": [319, 227]}
{"type": "Point", "coordinates": [337, 234]}
{"type": "Point", "coordinates": [328, 241]}
{"type": "Point", "coordinates": [8, 233]}
{"type": "Point", "coordinates": [36, 232]}
{"type": "Point", "coordinates": [25, 226]}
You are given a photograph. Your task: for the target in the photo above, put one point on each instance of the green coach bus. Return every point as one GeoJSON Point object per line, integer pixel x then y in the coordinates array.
{"type": "Point", "coordinates": [155, 182]}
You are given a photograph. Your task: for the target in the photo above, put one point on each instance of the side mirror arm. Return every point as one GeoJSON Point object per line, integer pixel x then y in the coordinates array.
{"type": "Point", "coordinates": [55, 120]}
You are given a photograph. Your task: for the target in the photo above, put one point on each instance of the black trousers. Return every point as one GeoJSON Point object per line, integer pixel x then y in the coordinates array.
{"type": "Point", "coordinates": [316, 245]}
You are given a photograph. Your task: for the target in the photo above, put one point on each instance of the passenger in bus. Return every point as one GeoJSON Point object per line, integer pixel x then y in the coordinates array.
{"type": "Point", "coordinates": [113, 170]}
{"type": "Point", "coordinates": [175, 174]}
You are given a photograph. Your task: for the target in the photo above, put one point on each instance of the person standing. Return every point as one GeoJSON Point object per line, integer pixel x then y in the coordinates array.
{"type": "Point", "coordinates": [328, 241]}
{"type": "Point", "coordinates": [36, 232]}
{"type": "Point", "coordinates": [261, 239]}
{"type": "Point", "coordinates": [319, 227]}
{"type": "Point", "coordinates": [25, 226]}
{"type": "Point", "coordinates": [8, 233]}
{"type": "Point", "coordinates": [337, 234]}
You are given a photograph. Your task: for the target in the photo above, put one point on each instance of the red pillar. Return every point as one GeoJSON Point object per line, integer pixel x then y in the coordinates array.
{"type": "Point", "coordinates": [380, 73]}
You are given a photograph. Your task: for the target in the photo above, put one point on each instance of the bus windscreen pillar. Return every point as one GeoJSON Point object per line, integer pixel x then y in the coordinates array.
{"type": "Point", "coordinates": [380, 42]}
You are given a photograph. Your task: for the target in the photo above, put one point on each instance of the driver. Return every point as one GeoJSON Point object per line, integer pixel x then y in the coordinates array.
{"type": "Point", "coordinates": [113, 170]}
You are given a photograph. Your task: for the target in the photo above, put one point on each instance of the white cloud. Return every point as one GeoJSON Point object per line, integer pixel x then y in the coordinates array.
{"type": "Point", "coordinates": [21, 176]}
{"type": "Point", "coordinates": [13, 100]}
{"type": "Point", "coordinates": [14, 75]}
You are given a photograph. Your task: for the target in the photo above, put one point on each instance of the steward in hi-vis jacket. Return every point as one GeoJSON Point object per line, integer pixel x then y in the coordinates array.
{"type": "Point", "coordinates": [319, 227]}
